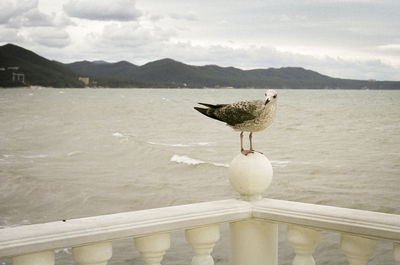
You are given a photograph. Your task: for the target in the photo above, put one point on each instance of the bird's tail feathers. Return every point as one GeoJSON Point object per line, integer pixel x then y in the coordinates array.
{"type": "Point", "coordinates": [208, 112]}
{"type": "Point", "coordinates": [201, 110]}
{"type": "Point", "coordinates": [208, 105]}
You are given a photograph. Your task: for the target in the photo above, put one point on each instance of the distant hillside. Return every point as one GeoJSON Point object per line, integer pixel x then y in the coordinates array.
{"type": "Point", "coordinates": [170, 73]}
{"type": "Point", "coordinates": [36, 69]}
{"type": "Point", "coordinates": [121, 69]}
{"type": "Point", "coordinates": [163, 73]}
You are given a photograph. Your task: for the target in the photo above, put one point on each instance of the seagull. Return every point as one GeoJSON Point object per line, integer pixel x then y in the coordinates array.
{"type": "Point", "coordinates": [244, 116]}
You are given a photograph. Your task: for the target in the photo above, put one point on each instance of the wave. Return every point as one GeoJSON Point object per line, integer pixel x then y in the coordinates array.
{"type": "Point", "coordinates": [194, 144]}
{"type": "Point", "coordinates": [191, 161]}
{"type": "Point", "coordinates": [73, 153]}
{"type": "Point", "coordinates": [36, 156]}
{"type": "Point", "coordinates": [279, 163]}
{"type": "Point", "coordinates": [117, 134]}
{"type": "Point", "coordinates": [182, 159]}
{"type": "Point", "coordinates": [123, 135]}
{"type": "Point", "coordinates": [186, 160]}
{"type": "Point", "coordinates": [181, 145]}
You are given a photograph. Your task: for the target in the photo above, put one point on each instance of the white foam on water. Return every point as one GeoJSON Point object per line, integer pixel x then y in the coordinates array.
{"type": "Point", "coordinates": [36, 156]}
{"type": "Point", "coordinates": [186, 160]}
{"type": "Point", "coordinates": [202, 143]}
{"type": "Point", "coordinates": [182, 159]}
{"type": "Point", "coordinates": [181, 145]}
{"type": "Point", "coordinates": [280, 163]}
{"type": "Point", "coordinates": [117, 134]}
{"type": "Point", "coordinates": [174, 145]}
{"type": "Point", "coordinates": [74, 153]}
{"type": "Point", "coordinates": [220, 164]}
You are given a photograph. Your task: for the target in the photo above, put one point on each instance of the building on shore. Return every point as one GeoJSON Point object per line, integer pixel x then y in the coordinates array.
{"type": "Point", "coordinates": [84, 80]}
{"type": "Point", "coordinates": [18, 77]}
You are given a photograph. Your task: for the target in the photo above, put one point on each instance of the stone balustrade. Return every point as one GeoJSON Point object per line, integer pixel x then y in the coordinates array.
{"type": "Point", "coordinates": [253, 228]}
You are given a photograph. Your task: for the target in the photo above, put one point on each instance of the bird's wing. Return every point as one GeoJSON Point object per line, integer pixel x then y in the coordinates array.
{"type": "Point", "coordinates": [238, 112]}
{"type": "Point", "coordinates": [210, 110]}
{"type": "Point", "coordinates": [213, 106]}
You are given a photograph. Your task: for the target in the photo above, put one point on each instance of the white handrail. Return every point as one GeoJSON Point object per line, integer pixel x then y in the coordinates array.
{"type": "Point", "coordinates": [75, 232]}
{"type": "Point", "coordinates": [359, 222]}
{"type": "Point", "coordinates": [54, 235]}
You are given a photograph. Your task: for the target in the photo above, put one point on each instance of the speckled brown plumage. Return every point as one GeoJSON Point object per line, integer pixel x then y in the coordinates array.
{"type": "Point", "coordinates": [244, 116]}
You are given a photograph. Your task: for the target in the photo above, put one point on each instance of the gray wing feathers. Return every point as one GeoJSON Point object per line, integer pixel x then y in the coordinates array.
{"type": "Point", "coordinates": [238, 112]}
{"type": "Point", "coordinates": [212, 106]}
{"type": "Point", "coordinates": [233, 114]}
{"type": "Point", "coordinates": [210, 110]}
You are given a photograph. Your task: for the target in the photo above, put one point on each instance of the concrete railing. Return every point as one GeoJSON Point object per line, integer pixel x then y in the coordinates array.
{"type": "Point", "coordinates": [253, 228]}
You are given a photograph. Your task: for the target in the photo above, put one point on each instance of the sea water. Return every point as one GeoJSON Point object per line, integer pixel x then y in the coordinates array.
{"type": "Point", "coordinates": [70, 153]}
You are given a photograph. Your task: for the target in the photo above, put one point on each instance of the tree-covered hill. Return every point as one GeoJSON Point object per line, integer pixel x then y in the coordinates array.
{"type": "Point", "coordinates": [171, 73]}
{"type": "Point", "coordinates": [36, 69]}
{"type": "Point", "coordinates": [163, 73]}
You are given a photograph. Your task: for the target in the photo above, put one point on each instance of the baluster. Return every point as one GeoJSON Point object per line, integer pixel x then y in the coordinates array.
{"type": "Point", "coordinates": [203, 240]}
{"type": "Point", "coordinates": [253, 242]}
{"type": "Point", "coordinates": [152, 248]}
{"type": "Point", "coordinates": [304, 241]}
{"type": "Point", "coordinates": [396, 252]}
{"type": "Point", "coordinates": [94, 254]}
{"type": "Point", "coordinates": [357, 249]}
{"type": "Point", "coordinates": [38, 258]}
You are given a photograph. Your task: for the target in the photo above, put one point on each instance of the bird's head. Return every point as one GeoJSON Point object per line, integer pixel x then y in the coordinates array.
{"type": "Point", "coordinates": [270, 96]}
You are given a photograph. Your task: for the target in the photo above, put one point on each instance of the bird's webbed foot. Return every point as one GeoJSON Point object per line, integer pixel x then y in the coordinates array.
{"type": "Point", "coordinates": [246, 152]}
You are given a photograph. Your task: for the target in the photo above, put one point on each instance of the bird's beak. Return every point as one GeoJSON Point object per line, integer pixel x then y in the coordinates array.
{"type": "Point", "coordinates": [266, 101]}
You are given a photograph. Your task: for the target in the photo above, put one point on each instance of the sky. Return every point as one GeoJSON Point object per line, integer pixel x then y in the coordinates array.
{"type": "Point", "coordinates": [358, 39]}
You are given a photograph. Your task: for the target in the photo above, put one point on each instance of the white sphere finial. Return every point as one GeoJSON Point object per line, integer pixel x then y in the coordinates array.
{"type": "Point", "coordinates": [250, 175]}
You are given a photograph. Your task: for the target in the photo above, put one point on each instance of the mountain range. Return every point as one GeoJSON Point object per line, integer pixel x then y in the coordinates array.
{"type": "Point", "coordinates": [164, 73]}
{"type": "Point", "coordinates": [37, 70]}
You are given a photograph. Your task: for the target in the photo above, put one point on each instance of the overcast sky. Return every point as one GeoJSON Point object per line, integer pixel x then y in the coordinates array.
{"type": "Point", "coordinates": [357, 39]}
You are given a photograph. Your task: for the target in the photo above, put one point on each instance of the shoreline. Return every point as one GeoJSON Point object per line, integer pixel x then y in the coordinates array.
{"type": "Point", "coordinates": [198, 88]}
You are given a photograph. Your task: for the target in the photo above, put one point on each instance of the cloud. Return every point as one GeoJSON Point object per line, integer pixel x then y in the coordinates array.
{"type": "Point", "coordinates": [24, 23]}
{"type": "Point", "coordinates": [50, 37]}
{"type": "Point", "coordinates": [119, 10]}
{"type": "Point", "coordinates": [116, 41]}
{"type": "Point", "coordinates": [31, 18]}
{"type": "Point", "coordinates": [390, 47]}
{"type": "Point", "coordinates": [60, 19]}
{"type": "Point", "coordinates": [13, 8]}
{"type": "Point", "coordinates": [132, 35]}
{"type": "Point", "coordinates": [10, 35]}
{"type": "Point", "coordinates": [156, 18]}
{"type": "Point", "coordinates": [189, 16]}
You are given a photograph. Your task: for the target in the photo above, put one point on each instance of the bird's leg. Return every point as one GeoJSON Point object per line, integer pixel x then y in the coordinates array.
{"type": "Point", "coordinates": [251, 141]}
{"type": "Point", "coordinates": [245, 152]}
{"type": "Point", "coordinates": [241, 142]}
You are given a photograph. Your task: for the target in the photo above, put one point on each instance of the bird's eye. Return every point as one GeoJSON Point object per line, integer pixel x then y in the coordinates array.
{"type": "Point", "coordinates": [274, 96]}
